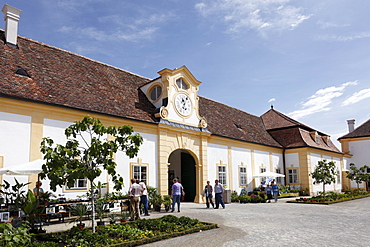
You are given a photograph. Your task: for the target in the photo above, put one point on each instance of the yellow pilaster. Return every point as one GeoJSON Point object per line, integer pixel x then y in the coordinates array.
{"type": "Point", "coordinates": [37, 126]}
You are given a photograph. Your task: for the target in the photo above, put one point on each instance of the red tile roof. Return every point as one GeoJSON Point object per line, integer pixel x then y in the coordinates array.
{"type": "Point", "coordinates": [65, 79]}
{"type": "Point", "coordinates": [361, 131]}
{"type": "Point", "coordinates": [293, 134]}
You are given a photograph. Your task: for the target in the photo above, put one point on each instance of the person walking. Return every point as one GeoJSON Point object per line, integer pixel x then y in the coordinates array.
{"type": "Point", "coordinates": [208, 194]}
{"type": "Point", "coordinates": [177, 190]}
{"type": "Point", "coordinates": [134, 192]}
{"type": "Point", "coordinates": [218, 194]}
{"type": "Point", "coordinates": [144, 198]}
{"type": "Point", "coordinates": [275, 190]}
{"type": "Point", "coordinates": [269, 193]}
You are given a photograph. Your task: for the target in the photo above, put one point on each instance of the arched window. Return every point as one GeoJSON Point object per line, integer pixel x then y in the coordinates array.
{"type": "Point", "coordinates": [156, 93]}
{"type": "Point", "coordinates": [181, 84]}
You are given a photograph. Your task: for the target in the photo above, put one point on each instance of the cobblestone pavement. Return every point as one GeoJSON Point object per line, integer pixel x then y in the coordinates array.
{"type": "Point", "coordinates": [276, 224]}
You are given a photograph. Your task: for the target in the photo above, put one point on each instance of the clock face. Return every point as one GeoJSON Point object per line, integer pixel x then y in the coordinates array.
{"type": "Point", "coordinates": [183, 104]}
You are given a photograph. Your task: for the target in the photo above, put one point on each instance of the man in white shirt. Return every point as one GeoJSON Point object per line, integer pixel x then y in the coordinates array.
{"type": "Point", "coordinates": [144, 198]}
{"type": "Point", "coordinates": [134, 192]}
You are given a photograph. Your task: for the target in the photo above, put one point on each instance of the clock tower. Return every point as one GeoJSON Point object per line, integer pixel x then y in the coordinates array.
{"type": "Point", "coordinates": [175, 95]}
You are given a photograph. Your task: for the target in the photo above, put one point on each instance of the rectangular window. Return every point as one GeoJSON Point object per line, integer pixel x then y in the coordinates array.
{"type": "Point", "coordinates": [243, 176]}
{"type": "Point", "coordinates": [278, 179]}
{"type": "Point", "coordinates": [263, 169]}
{"type": "Point", "coordinates": [140, 173]}
{"type": "Point", "coordinates": [293, 176]}
{"type": "Point", "coordinates": [80, 184]}
{"type": "Point", "coordinates": [222, 174]}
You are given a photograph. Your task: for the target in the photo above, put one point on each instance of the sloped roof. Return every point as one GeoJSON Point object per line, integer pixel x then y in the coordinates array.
{"type": "Point", "coordinates": [361, 131]}
{"type": "Point", "coordinates": [293, 134]}
{"type": "Point", "coordinates": [227, 121]}
{"type": "Point", "coordinates": [62, 78]}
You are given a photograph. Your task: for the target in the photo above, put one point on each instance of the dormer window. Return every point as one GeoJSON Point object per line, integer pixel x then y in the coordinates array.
{"type": "Point", "coordinates": [315, 136]}
{"type": "Point", "coordinates": [327, 140]}
{"type": "Point", "coordinates": [155, 93]}
{"type": "Point", "coordinates": [181, 84]}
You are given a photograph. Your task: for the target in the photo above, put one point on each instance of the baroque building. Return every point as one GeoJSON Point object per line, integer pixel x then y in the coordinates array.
{"type": "Point", "coordinates": [44, 89]}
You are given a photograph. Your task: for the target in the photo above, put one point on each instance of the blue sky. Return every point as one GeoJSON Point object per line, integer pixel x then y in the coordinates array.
{"type": "Point", "coordinates": [310, 59]}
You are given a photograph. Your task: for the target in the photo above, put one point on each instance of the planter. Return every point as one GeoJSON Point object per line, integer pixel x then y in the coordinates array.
{"type": "Point", "coordinates": [157, 208]}
{"type": "Point", "coordinates": [112, 222]}
{"type": "Point", "coordinates": [123, 220]}
{"type": "Point", "coordinates": [82, 225]}
{"type": "Point", "coordinates": [167, 208]}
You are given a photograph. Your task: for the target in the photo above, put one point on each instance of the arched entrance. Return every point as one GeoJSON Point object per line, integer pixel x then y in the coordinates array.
{"type": "Point", "coordinates": [182, 166]}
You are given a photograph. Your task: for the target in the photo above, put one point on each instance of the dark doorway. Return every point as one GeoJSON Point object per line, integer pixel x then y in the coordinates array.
{"type": "Point", "coordinates": [188, 176]}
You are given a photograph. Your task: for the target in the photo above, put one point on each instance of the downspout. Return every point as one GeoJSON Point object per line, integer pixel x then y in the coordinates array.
{"type": "Point", "coordinates": [285, 178]}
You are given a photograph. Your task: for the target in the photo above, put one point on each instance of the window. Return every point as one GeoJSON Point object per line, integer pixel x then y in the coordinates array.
{"type": "Point", "coordinates": [80, 184]}
{"type": "Point", "coordinates": [243, 176]}
{"type": "Point", "coordinates": [156, 93]}
{"type": "Point", "coordinates": [140, 172]}
{"type": "Point", "coordinates": [278, 179]}
{"type": "Point", "coordinates": [181, 84]}
{"type": "Point", "coordinates": [262, 170]}
{"type": "Point", "coordinates": [293, 176]}
{"type": "Point", "coordinates": [222, 174]}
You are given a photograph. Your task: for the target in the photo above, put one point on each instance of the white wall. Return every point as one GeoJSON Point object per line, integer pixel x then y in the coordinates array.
{"type": "Point", "coordinates": [239, 156]}
{"type": "Point", "coordinates": [216, 153]}
{"type": "Point", "coordinates": [15, 142]}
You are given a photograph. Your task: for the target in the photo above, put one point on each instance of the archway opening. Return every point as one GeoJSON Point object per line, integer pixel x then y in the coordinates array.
{"type": "Point", "coordinates": [182, 166]}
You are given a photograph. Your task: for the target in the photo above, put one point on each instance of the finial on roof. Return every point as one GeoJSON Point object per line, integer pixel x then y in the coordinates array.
{"type": "Point", "coordinates": [272, 106]}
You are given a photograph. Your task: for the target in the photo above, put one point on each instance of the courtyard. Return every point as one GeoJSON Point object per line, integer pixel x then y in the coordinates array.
{"type": "Point", "coordinates": [277, 224]}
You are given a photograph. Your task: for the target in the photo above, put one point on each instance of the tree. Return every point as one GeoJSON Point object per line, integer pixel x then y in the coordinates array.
{"type": "Point", "coordinates": [75, 160]}
{"type": "Point", "coordinates": [325, 173]}
{"type": "Point", "coordinates": [358, 175]}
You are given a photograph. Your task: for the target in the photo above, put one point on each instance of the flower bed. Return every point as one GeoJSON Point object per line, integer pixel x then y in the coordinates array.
{"type": "Point", "coordinates": [332, 197]}
{"type": "Point", "coordinates": [133, 233]}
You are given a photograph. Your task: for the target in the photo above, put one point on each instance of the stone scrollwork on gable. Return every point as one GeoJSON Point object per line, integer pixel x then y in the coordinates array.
{"type": "Point", "coordinates": [203, 122]}
{"type": "Point", "coordinates": [163, 113]}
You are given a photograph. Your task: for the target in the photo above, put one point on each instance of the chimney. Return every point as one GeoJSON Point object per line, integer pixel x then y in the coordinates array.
{"type": "Point", "coordinates": [11, 18]}
{"type": "Point", "coordinates": [351, 125]}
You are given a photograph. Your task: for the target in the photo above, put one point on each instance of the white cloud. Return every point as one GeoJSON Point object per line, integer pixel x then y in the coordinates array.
{"type": "Point", "coordinates": [257, 15]}
{"type": "Point", "coordinates": [339, 38]}
{"type": "Point", "coordinates": [272, 100]}
{"type": "Point", "coordinates": [356, 97]}
{"type": "Point", "coordinates": [321, 100]}
{"type": "Point", "coordinates": [326, 25]}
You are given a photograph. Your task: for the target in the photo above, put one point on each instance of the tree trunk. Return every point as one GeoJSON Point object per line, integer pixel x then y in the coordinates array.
{"type": "Point", "coordinates": [92, 208]}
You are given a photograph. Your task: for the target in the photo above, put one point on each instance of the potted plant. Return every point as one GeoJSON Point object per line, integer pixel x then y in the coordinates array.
{"type": "Point", "coordinates": [100, 211]}
{"type": "Point", "coordinates": [112, 218]}
{"type": "Point", "coordinates": [124, 215]}
{"type": "Point", "coordinates": [80, 210]}
{"type": "Point", "coordinates": [167, 203]}
{"type": "Point", "coordinates": [157, 202]}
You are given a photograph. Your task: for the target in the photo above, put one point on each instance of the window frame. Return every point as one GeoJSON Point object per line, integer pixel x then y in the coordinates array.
{"type": "Point", "coordinates": [155, 89]}
{"type": "Point", "coordinates": [140, 175]}
{"type": "Point", "coordinates": [182, 85]}
{"type": "Point", "coordinates": [242, 176]}
{"type": "Point", "coordinates": [222, 180]}
{"type": "Point", "coordinates": [78, 188]}
{"type": "Point", "coordinates": [293, 177]}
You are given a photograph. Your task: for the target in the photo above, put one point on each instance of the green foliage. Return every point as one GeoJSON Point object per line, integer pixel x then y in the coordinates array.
{"type": "Point", "coordinates": [32, 208]}
{"type": "Point", "coordinates": [167, 200]}
{"type": "Point", "coordinates": [325, 173]}
{"type": "Point", "coordinates": [332, 197]}
{"type": "Point", "coordinates": [66, 163]}
{"type": "Point", "coordinates": [80, 210]}
{"type": "Point", "coordinates": [11, 236]}
{"type": "Point", "coordinates": [154, 197]}
{"type": "Point", "coordinates": [71, 161]}
{"type": "Point", "coordinates": [358, 175]}
{"type": "Point", "coordinates": [132, 233]}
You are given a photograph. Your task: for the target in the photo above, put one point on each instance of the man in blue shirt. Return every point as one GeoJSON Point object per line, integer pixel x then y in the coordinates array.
{"type": "Point", "coordinates": [275, 190]}
{"type": "Point", "coordinates": [218, 194]}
